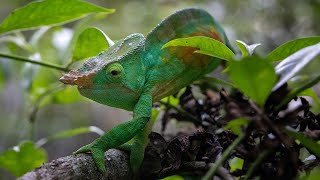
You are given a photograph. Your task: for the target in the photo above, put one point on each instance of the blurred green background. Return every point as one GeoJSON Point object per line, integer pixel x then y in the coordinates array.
{"type": "Point", "coordinates": [269, 22]}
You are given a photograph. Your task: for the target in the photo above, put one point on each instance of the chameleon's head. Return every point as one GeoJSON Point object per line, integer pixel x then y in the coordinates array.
{"type": "Point", "coordinates": [114, 77]}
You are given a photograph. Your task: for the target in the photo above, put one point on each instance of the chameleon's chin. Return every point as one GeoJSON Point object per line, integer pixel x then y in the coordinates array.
{"type": "Point", "coordinates": [92, 93]}
{"type": "Point", "coordinates": [111, 97]}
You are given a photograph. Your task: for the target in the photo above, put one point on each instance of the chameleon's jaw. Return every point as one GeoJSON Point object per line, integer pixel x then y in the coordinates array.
{"type": "Point", "coordinates": [75, 78]}
{"type": "Point", "coordinates": [68, 79]}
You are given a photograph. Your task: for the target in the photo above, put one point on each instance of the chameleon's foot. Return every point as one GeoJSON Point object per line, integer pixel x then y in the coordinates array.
{"type": "Point", "coordinates": [97, 155]}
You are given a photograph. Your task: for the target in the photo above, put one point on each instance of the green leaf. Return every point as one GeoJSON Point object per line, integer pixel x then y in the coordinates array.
{"type": "Point", "coordinates": [236, 125]}
{"type": "Point", "coordinates": [22, 158]}
{"type": "Point", "coordinates": [90, 42]}
{"type": "Point", "coordinates": [314, 175]}
{"type": "Point", "coordinates": [207, 46]}
{"type": "Point", "coordinates": [246, 49]}
{"type": "Point", "coordinates": [48, 12]}
{"type": "Point", "coordinates": [291, 47]}
{"type": "Point", "coordinates": [254, 76]}
{"type": "Point", "coordinates": [174, 177]}
{"type": "Point", "coordinates": [70, 133]}
{"type": "Point", "coordinates": [307, 142]}
{"type": "Point", "coordinates": [235, 164]}
{"type": "Point", "coordinates": [294, 63]}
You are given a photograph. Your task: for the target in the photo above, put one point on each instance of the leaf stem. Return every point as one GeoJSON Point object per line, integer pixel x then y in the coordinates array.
{"type": "Point", "coordinates": [181, 111]}
{"type": "Point", "coordinates": [294, 92]}
{"type": "Point", "coordinates": [223, 157]}
{"type": "Point", "coordinates": [254, 165]}
{"type": "Point", "coordinates": [22, 59]}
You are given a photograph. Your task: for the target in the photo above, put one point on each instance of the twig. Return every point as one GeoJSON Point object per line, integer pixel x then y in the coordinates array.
{"type": "Point", "coordinates": [275, 129]}
{"type": "Point", "coordinates": [255, 164]}
{"type": "Point", "coordinates": [193, 167]}
{"type": "Point", "coordinates": [223, 157]}
{"type": "Point", "coordinates": [181, 111]}
{"type": "Point", "coordinates": [22, 59]}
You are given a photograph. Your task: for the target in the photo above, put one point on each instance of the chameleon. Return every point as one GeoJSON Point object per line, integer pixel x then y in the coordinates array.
{"type": "Point", "coordinates": [136, 71]}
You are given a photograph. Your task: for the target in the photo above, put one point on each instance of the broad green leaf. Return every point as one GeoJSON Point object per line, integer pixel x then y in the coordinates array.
{"type": "Point", "coordinates": [236, 124]}
{"type": "Point", "coordinates": [254, 76]}
{"type": "Point", "coordinates": [294, 63]}
{"type": "Point", "coordinates": [246, 49]}
{"type": "Point", "coordinates": [235, 164]}
{"type": "Point", "coordinates": [48, 12]}
{"type": "Point", "coordinates": [291, 47]}
{"type": "Point", "coordinates": [174, 177]}
{"type": "Point", "coordinates": [22, 158]}
{"type": "Point", "coordinates": [206, 45]}
{"type": "Point", "coordinates": [307, 142]}
{"type": "Point", "coordinates": [313, 175]}
{"type": "Point", "coordinates": [90, 42]}
{"type": "Point", "coordinates": [70, 133]}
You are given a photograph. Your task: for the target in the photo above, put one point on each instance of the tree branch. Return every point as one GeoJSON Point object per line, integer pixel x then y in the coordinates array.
{"type": "Point", "coordinates": [45, 64]}
{"type": "Point", "coordinates": [81, 166]}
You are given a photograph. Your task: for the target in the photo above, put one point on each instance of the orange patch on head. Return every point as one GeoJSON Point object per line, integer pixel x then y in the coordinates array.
{"type": "Point", "coordinates": [76, 78]}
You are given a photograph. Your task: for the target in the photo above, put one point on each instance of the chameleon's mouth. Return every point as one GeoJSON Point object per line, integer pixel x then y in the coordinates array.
{"type": "Point", "coordinates": [69, 78]}
{"type": "Point", "coordinates": [83, 81]}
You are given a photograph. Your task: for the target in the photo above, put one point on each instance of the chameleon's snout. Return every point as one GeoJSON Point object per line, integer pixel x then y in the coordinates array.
{"type": "Point", "coordinates": [68, 79]}
{"type": "Point", "coordinates": [75, 78]}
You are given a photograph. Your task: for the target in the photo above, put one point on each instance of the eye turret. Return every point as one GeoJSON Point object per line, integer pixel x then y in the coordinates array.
{"type": "Point", "coordinates": [114, 70]}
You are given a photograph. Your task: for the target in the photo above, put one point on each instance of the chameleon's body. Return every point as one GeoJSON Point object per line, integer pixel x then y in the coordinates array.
{"type": "Point", "coordinates": [136, 71]}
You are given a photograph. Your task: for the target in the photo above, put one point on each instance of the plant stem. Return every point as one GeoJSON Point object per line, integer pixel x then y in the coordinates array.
{"type": "Point", "coordinates": [223, 157]}
{"type": "Point", "coordinates": [22, 59]}
{"type": "Point", "coordinates": [260, 158]}
{"type": "Point", "coordinates": [181, 111]}
{"type": "Point", "coordinates": [295, 92]}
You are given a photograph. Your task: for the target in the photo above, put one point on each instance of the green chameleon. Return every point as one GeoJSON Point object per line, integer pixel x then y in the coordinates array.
{"type": "Point", "coordinates": [136, 71]}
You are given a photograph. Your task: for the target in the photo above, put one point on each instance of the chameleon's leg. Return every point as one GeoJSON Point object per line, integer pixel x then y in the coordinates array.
{"type": "Point", "coordinates": [120, 134]}
{"type": "Point", "coordinates": [141, 141]}
{"type": "Point", "coordinates": [137, 151]}
{"type": "Point", "coordinates": [137, 148]}
{"type": "Point", "coordinates": [125, 147]}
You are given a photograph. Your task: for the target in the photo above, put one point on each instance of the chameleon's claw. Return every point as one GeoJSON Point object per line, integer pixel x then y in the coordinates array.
{"type": "Point", "coordinates": [97, 155]}
{"type": "Point", "coordinates": [83, 149]}
{"type": "Point", "coordinates": [98, 158]}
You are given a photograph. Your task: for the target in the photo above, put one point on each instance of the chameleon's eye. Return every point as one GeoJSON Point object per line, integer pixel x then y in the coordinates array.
{"type": "Point", "coordinates": [114, 70]}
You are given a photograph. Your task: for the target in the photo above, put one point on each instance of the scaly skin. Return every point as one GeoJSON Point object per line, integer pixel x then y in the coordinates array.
{"type": "Point", "coordinates": [135, 72]}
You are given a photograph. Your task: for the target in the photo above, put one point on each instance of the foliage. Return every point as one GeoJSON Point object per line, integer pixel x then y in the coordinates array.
{"type": "Point", "coordinates": [248, 74]}
{"type": "Point", "coordinates": [48, 12]}
{"type": "Point", "coordinates": [23, 158]}
{"type": "Point", "coordinates": [90, 42]}
{"type": "Point", "coordinates": [255, 78]}
{"type": "Point", "coordinates": [205, 45]}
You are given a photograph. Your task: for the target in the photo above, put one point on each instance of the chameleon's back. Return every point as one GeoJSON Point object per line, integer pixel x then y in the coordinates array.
{"type": "Point", "coordinates": [171, 69]}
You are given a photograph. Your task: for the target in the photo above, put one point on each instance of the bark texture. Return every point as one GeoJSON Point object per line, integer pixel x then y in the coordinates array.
{"type": "Point", "coordinates": [81, 166]}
